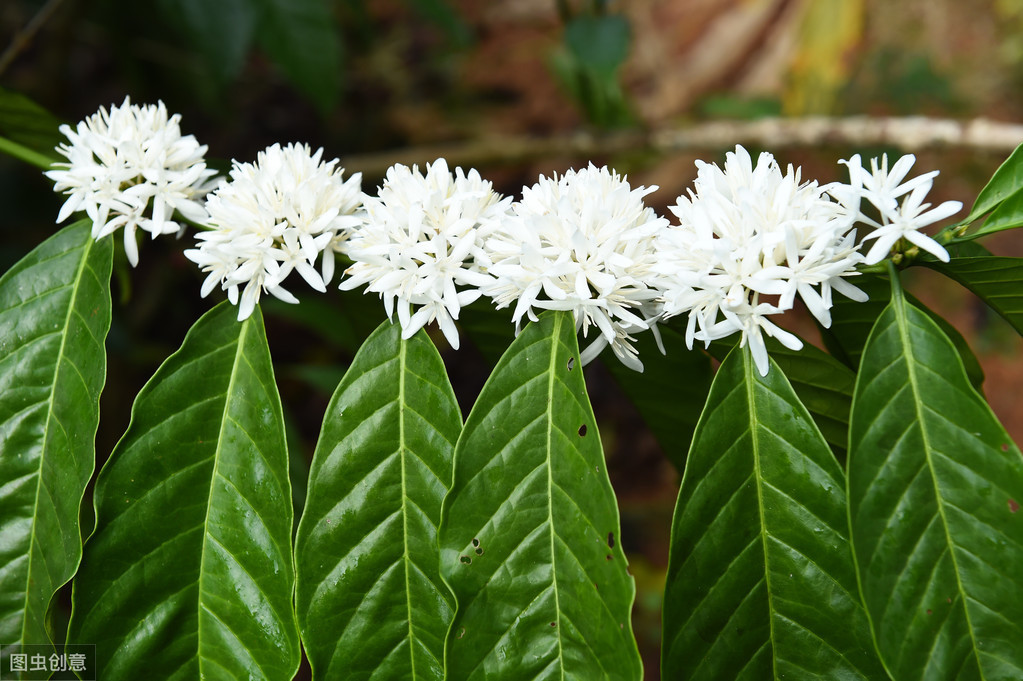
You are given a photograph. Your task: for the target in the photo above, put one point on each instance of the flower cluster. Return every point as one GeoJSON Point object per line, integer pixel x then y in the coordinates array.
{"type": "Point", "coordinates": [278, 215]}
{"type": "Point", "coordinates": [422, 244]}
{"type": "Point", "coordinates": [749, 238]}
{"type": "Point", "coordinates": [122, 161]}
{"type": "Point", "coordinates": [582, 242]}
{"type": "Point", "coordinates": [904, 220]}
{"type": "Point", "coordinates": [747, 232]}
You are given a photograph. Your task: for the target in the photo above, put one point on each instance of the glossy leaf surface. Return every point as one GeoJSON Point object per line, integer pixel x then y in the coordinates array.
{"type": "Point", "coordinates": [530, 531]}
{"type": "Point", "coordinates": [761, 583]}
{"type": "Point", "coordinates": [190, 571]}
{"type": "Point", "coordinates": [934, 492]}
{"type": "Point", "coordinates": [823, 384]}
{"type": "Point", "coordinates": [370, 600]}
{"type": "Point", "coordinates": [54, 317]}
{"type": "Point", "coordinates": [852, 322]}
{"type": "Point", "coordinates": [996, 280]}
{"type": "Point", "coordinates": [1005, 182]}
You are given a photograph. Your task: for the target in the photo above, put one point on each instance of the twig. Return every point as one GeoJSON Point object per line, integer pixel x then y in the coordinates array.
{"type": "Point", "coordinates": [24, 37]}
{"type": "Point", "coordinates": [910, 134]}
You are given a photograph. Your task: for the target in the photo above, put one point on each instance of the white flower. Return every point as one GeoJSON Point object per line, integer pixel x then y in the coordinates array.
{"type": "Point", "coordinates": [120, 161]}
{"type": "Point", "coordinates": [898, 220]}
{"type": "Point", "coordinates": [749, 231]}
{"type": "Point", "coordinates": [422, 244]}
{"type": "Point", "coordinates": [582, 242]}
{"type": "Point", "coordinates": [276, 216]}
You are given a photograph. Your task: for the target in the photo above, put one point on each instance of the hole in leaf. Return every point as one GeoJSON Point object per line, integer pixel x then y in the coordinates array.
{"type": "Point", "coordinates": [479, 551]}
{"type": "Point", "coordinates": [610, 540]}
{"type": "Point", "coordinates": [609, 556]}
{"type": "Point", "coordinates": [582, 430]}
{"type": "Point", "coordinates": [465, 560]}
{"type": "Point", "coordinates": [554, 624]}
{"type": "Point", "coordinates": [571, 363]}
{"type": "Point", "coordinates": [475, 542]}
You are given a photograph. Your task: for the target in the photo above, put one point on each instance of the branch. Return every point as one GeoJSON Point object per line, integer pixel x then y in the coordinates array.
{"type": "Point", "coordinates": [911, 134]}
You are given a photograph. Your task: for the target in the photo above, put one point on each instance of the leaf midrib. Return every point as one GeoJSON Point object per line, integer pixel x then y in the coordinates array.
{"type": "Point", "coordinates": [405, 558]}
{"type": "Point", "coordinates": [749, 382]}
{"type": "Point", "coordinates": [75, 290]}
{"type": "Point", "coordinates": [238, 354]}
{"type": "Point", "coordinates": [555, 338]}
{"type": "Point", "coordinates": [902, 324]}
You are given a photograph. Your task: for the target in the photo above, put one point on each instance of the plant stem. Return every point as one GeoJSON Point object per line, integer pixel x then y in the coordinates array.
{"type": "Point", "coordinates": [25, 154]}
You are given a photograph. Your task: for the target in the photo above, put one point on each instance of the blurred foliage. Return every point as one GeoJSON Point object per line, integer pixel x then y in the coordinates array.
{"type": "Point", "coordinates": [907, 83]}
{"type": "Point", "coordinates": [828, 33]}
{"type": "Point", "coordinates": [588, 65]}
{"type": "Point", "coordinates": [25, 122]}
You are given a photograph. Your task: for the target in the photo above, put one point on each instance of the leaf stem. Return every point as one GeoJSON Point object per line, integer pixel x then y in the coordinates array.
{"type": "Point", "coordinates": [23, 153]}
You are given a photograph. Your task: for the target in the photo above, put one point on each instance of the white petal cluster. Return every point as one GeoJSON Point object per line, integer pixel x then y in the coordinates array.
{"type": "Point", "coordinates": [132, 168]}
{"type": "Point", "coordinates": [749, 232]}
{"type": "Point", "coordinates": [422, 244]}
{"type": "Point", "coordinates": [277, 215]}
{"type": "Point", "coordinates": [582, 242]}
{"type": "Point", "coordinates": [899, 219]}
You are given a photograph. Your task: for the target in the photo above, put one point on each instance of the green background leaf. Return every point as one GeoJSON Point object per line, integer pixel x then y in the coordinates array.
{"type": "Point", "coordinates": [760, 579]}
{"type": "Point", "coordinates": [1005, 182]}
{"type": "Point", "coordinates": [189, 573]}
{"type": "Point", "coordinates": [529, 537]}
{"type": "Point", "coordinates": [1007, 215]}
{"type": "Point", "coordinates": [996, 280]}
{"type": "Point", "coordinates": [369, 597]}
{"type": "Point", "coordinates": [670, 392]}
{"type": "Point", "coordinates": [222, 30]}
{"type": "Point", "coordinates": [54, 318]}
{"type": "Point", "coordinates": [25, 122]}
{"type": "Point", "coordinates": [302, 38]}
{"type": "Point", "coordinates": [934, 486]}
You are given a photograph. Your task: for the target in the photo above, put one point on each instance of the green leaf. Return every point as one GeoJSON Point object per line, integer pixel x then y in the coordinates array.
{"type": "Point", "coordinates": [370, 600]}
{"type": "Point", "coordinates": [222, 31]}
{"type": "Point", "coordinates": [1006, 215]}
{"type": "Point", "coordinates": [996, 280]}
{"type": "Point", "coordinates": [599, 43]}
{"type": "Point", "coordinates": [934, 489]}
{"type": "Point", "coordinates": [760, 582]}
{"type": "Point", "coordinates": [302, 38]}
{"type": "Point", "coordinates": [852, 322]}
{"type": "Point", "coordinates": [670, 392]}
{"type": "Point", "coordinates": [1007, 181]}
{"type": "Point", "coordinates": [54, 318]}
{"type": "Point", "coordinates": [529, 535]}
{"type": "Point", "coordinates": [28, 124]}
{"type": "Point", "coordinates": [824, 386]}
{"type": "Point", "coordinates": [822, 383]}
{"type": "Point", "coordinates": [189, 573]}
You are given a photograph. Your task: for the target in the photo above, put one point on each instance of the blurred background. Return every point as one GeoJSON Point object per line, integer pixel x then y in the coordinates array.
{"type": "Point", "coordinates": [515, 88]}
